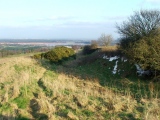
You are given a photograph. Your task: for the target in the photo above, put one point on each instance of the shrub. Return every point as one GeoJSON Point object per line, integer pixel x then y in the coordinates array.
{"type": "Point", "coordinates": [37, 56]}
{"type": "Point", "coordinates": [144, 23]}
{"type": "Point", "coordinates": [88, 50]}
{"type": "Point", "coordinates": [146, 52]}
{"type": "Point", "coordinates": [59, 54]}
{"type": "Point", "coordinates": [141, 39]}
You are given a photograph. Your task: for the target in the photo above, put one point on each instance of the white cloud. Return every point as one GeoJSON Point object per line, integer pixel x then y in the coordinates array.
{"type": "Point", "coordinates": [153, 1]}
{"type": "Point", "coordinates": [83, 24]}
{"type": "Point", "coordinates": [62, 18]}
{"type": "Point", "coordinates": [150, 4]}
{"type": "Point", "coordinates": [116, 18]}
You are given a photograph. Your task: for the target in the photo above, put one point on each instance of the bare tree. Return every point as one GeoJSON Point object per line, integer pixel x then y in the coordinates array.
{"type": "Point", "coordinates": [94, 44]}
{"type": "Point", "coordinates": [105, 40]}
{"type": "Point", "coordinates": [142, 23]}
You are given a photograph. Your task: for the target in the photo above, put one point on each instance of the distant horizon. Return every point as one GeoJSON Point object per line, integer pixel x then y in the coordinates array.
{"type": "Point", "coordinates": [54, 38]}
{"type": "Point", "coordinates": [61, 39]}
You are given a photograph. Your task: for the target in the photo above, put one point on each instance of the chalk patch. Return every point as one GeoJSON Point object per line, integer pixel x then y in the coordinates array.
{"type": "Point", "coordinates": [115, 68]}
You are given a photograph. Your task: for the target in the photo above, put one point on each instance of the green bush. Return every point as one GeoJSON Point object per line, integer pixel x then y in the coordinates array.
{"type": "Point", "coordinates": [141, 39]}
{"type": "Point", "coordinates": [37, 56]}
{"type": "Point", "coordinates": [59, 54]}
{"type": "Point", "coordinates": [146, 52]}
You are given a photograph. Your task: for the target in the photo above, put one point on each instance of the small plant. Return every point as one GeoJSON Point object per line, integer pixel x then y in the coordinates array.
{"type": "Point", "coordinates": [66, 92]}
{"type": "Point", "coordinates": [63, 112]}
{"type": "Point", "coordinates": [88, 113]}
{"type": "Point", "coordinates": [5, 107]}
{"type": "Point", "coordinates": [126, 116]}
{"type": "Point", "coordinates": [18, 68]}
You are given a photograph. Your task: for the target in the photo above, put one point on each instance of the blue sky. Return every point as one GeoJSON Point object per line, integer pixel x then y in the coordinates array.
{"type": "Point", "coordinates": [66, 19]}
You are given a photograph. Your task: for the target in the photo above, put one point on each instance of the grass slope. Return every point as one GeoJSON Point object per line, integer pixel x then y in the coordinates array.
{"type": "Point", "coordinates": [31, 89]}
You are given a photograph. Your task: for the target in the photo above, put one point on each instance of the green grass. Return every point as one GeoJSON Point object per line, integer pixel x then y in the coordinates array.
{"type": "Point", "coordinates": [62, 112]}
{"type": "Point", "coordinates": [18, 68]}
{"type": "Point", "coordinates": [22, 118]}
{"type": "Point", "coordinates": [127, 116]}
{"type": "Point", "coordinates": [5, 107]}
{"type": "Point", "coordinates": [67, 92]}
{"type": "Point", "coordinates": [22, 102]}
{"type": "Point", "coordinates": [125, 81]}
{"type": "Point", "coordinates": [50, 73]}
{"type": "Point", "coordinates": [87, 113]}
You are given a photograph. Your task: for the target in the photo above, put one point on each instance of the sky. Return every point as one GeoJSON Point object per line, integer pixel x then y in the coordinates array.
{"type": "Point", "coordinates": [66, 19]}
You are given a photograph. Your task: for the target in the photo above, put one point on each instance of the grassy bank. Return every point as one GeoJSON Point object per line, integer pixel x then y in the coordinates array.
{"type": "Point", "coordinates": [77, 89]}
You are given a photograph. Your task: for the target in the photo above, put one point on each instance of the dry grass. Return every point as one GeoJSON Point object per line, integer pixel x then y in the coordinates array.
{"type": "Point", "coordinates": [59, 96]}
{"type": "Point", "coordinates": [110, 48]}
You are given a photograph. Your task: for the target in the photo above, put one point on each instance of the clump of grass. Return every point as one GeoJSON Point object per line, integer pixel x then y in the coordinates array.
{"type": "Point", "coordinates": [22, 102]}
{"type": "Point", "coordinates": [50, 74]}
{"type": "Point", "coordinates": [62, 112]}
{"type": "Point", "coordinates": [15, 91]}
{"type": "Point", "coordinates": [128, 116]}
{"type": "Point", "coordinates": [22, 118]}
{"type": "Point", "coordinates": [5, 107]}
{"type": "Point", "coordinates": [18, 68]}
{"type": "Point", "coordinates": [88, 113]}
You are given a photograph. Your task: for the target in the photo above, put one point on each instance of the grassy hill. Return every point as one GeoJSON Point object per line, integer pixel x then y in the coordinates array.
{"type": "Point", "coordinates": [81, 89]}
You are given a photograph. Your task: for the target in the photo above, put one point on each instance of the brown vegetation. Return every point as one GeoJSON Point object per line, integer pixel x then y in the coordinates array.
{"type": "Point", "coordinates": [28, 90]}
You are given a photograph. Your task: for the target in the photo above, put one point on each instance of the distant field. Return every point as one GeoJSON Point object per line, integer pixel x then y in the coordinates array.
{"type": "Point", "coordinates": [15, 49]}
{"type": "Point", "coordinates": [23, 46]}
{"type": "Point", "coordinates": [43, 42]}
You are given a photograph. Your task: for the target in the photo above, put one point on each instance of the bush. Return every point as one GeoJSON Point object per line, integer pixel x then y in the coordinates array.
{"type": "Point", "coordinates": [146, 52]}
{"type": "Point", "coordinates": [37, 56]}
{"type": "Point", "coordinates": [144, 23]}
{"type": "Point", "coordinates": [88, 50]}
{"type": "Point", "coordinates": [141, 39]}
{"type": "Point", "coordinates": [59, 54]}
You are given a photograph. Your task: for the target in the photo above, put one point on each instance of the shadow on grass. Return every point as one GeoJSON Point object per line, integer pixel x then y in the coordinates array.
{"type": "Point", "coordinates": [35, 110]}
{"type": "Point", "coordinates": [2, 117]}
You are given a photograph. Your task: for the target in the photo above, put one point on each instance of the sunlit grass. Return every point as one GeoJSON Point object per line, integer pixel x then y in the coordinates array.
{"type": "Point", "coordinates": [86, 91]}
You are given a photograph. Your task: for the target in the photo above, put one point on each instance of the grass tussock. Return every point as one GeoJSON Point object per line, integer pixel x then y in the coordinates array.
{"type": "Point", "coordinates": [39, 90]}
